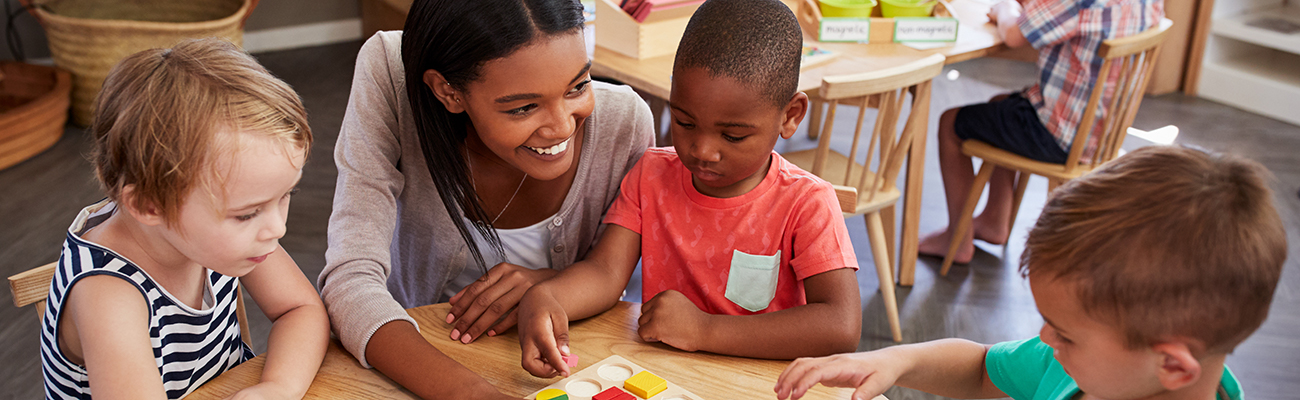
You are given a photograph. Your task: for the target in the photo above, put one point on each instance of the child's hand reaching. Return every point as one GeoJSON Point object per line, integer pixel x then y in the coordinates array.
{"type": "Point", "coordinates": [543, 335]}
{"type": "Point", "coordinates": [673, 319]}
{"type": "Point", "coordinates": [871, 373]}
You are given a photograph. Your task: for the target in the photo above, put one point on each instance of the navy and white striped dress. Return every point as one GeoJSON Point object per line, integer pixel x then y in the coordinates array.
{"type": "Point", "coordinates": [190, 346]}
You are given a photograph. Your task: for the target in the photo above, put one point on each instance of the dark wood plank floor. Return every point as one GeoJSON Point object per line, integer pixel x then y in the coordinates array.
{"type": "Point", "coordinates": [985, 301]}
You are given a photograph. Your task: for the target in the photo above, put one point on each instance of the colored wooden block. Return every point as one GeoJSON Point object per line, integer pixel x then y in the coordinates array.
{"type": "Point", "coordinates": [612, 393]}
{"type": "Point", "coordinates": [552, 394]}
{"type": "Point", "coordinates": [571, 360]}
{"type": "Point", "coordinates": [604, 380]}
{"type": "Point", "coordinates": [645, 384]}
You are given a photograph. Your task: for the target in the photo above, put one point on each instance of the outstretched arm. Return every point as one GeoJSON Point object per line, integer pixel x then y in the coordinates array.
{"type": "Point", "coordinates": [948, 367]}
{"type": "Point", "coordinates": [584, 289]}
{"type": "Point", "coordinates": [830, 323]}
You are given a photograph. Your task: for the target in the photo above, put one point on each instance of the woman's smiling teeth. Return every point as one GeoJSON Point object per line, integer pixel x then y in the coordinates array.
{"type": "Point", "coordinates": [556, 149]}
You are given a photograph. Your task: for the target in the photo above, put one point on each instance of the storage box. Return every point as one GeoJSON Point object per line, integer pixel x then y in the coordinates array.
{"type": "Point", "coordinates": [657, 36]}
{"type": "Point", "coordinates": [881, 29]}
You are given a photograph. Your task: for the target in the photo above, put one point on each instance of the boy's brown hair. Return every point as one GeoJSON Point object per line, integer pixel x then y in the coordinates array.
{"type": "Point", "coordinates": [1166, 242]}
{"type": "Point", "coordinates": [158, 115]}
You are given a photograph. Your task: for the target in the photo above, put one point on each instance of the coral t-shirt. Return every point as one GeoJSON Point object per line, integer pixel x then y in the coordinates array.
{"type": "Point", "coordinates": [743, 255]}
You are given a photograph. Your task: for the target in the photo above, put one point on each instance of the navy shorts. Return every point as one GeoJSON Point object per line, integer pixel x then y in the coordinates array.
{"type": "Point", "coordinates": [1011, 124]}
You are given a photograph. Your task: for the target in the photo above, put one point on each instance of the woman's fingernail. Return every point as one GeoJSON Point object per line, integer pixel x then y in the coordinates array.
{"type": "Point", "coordinates": [450, 317]}
{"type": "Point", "coordinates": [492, 333]}
{"type": "Point", "coordinates": [455, 334]}
{"type": "Point", "coordinates": [564, 349]}
{"type": "Point", "coordinates": [465, 339]}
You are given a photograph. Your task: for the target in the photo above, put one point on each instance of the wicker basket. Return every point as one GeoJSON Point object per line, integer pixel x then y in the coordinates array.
{"type": "Point", "coordinates": [33, 109]}
{"type": "Point", "coordinates": [88, 37]}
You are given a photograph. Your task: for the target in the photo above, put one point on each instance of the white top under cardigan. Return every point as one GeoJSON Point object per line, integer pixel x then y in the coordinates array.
{"type": "Point", "coordinates": [392, 244]}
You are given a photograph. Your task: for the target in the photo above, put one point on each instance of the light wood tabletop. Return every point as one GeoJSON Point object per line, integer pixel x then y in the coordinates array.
{"type": "Point", "coordinates": [976, 37]}
{"type": "Point", "coordinates": [496, 359]}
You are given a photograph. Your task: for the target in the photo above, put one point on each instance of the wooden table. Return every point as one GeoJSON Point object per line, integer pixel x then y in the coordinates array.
{"type": "Point", "coordinates": [497, 359]}
{"type": "Point", "coordinates": [976, 37]}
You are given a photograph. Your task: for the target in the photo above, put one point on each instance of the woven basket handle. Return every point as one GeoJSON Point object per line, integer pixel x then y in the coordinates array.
{"type": "Point", "coordinates": [31, 9]}
{"type": "Point", "coordinates": [251, 5]}
{"type": "Point", "coordinates": [27, 4]}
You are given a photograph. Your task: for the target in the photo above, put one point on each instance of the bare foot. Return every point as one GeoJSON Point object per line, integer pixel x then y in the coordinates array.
{"type": "Point", "coordinates": [936, 244]}
{"type": "Point", "coordinates": [992, 232]}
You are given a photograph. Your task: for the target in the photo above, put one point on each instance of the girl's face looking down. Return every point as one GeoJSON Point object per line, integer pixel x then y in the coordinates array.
{"type": "Point", "coordinates": [528, 108]}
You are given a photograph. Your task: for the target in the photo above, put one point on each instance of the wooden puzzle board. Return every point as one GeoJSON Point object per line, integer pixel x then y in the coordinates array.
{"type": "Point", "coordinates": [607, 373]}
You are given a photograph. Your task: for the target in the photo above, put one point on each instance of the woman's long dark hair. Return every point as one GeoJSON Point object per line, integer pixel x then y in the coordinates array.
{"type": "Point", "coordinates": [455, 38]}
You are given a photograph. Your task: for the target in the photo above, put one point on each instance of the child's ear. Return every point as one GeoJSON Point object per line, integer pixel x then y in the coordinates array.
{"type": "Point", "coordinates": [147, 214]}
{"type": "Point", "coordinates": [443, 91]}
{"type": "Point", "coordinates": [793, 115]}
{"type": "Point", "coordinates": [1178, 367]}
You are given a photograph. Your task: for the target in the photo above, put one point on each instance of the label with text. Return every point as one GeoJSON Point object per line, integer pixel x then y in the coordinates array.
{"type": "Point", "coordinates": [844, 30]}
{"type": "Point", "coordinates": [925, 29]}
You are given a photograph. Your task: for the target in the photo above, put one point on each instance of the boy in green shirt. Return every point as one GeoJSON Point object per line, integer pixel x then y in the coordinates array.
{"type": "Point", "coordinates": [1147, 273]}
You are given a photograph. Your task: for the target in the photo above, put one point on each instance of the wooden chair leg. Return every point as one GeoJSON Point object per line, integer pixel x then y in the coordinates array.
{"type": "Point", "coordinates": [815, 120]}
{"type": "Point", "coordinates": [885, 272]}
{"type": "Point", "coordinates": [967, 214]}
{"type": "Point", "coordinates": [1021, 183]}
{"type": "Point", "coordinates": [887, 220]}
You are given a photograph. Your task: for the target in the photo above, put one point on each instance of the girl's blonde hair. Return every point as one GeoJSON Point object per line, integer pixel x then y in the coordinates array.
{"type": "Point", "coordinates": [159, 113]}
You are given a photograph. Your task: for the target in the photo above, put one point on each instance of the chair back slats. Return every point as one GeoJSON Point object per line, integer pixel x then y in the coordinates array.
{"type": "Point", "coordinates": [1129, 61]}
{"type": "Point", "coordinates": [917, 121]}
{"type": "Point", "coordinates": [867, 174]}
{"type": "Point", "coordinates": [824, 143]}
{"type": "Point", "coordinates": [853, 150]}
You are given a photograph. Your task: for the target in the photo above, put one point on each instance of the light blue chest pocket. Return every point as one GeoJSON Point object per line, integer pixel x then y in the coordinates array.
{"type": "Point", "coordinates": [751, 283]}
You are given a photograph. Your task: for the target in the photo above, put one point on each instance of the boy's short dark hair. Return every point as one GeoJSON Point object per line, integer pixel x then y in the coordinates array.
{"type": "Point", "coordinates": [756, 42]}
{"type": "Point", "coordinates": [1166, 242]}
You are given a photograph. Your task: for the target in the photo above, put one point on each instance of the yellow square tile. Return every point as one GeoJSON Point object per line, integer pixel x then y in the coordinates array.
{"type": "Point", "coordinates": [645, 384]}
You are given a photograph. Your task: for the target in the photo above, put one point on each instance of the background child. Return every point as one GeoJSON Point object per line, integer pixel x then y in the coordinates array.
{"type": "Point", "coordinates": [1147, 273]}
{"type": "Point", "coordinates": [1040, 122]}
{"type": "Point", "coordinates": [199, 149]}
{"type": "Point", "coordinates": [742, 253]}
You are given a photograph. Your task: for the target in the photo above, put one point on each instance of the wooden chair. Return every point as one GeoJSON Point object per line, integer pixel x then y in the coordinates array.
{"type": "Point", "coordinates": [1133, 57]}
{"type": "Point", "coordinates": [33, 285]}
{"type": "Point", "coordinates": [870, 188]}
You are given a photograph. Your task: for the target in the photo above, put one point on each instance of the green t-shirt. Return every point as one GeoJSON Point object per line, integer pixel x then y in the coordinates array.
{"type": "Point", "coordinates": [1027, 370]}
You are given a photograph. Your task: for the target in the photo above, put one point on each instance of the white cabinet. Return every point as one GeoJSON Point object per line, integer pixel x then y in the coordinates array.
{"type": "Point", "coordinates": [1252, 57]}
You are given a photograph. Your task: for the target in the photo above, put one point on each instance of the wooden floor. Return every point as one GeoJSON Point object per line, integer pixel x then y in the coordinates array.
{"type": "Point", "coordinates": [985, 301]}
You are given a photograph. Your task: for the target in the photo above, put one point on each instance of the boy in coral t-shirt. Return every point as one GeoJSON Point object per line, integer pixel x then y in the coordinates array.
{"type": "Point", "coordinates": [742, 253]}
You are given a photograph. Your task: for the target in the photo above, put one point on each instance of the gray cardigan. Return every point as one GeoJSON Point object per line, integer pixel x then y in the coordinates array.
{"type": "Point", "coordinates": [392, 245]}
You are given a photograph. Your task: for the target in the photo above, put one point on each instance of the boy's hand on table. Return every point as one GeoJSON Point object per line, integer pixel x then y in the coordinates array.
{"type": "Point", "coordinates": [871, 373]}
{"type": "Point", "coordinates": [488, 304]}
{"type": "Point", "coordinates": [543, 335]}
{"type": "Point", "coordinates": [673, 319]}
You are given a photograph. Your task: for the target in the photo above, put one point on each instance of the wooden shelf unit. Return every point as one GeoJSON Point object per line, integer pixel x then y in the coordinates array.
{"type": "Point", "coordinates": [1253, 68]}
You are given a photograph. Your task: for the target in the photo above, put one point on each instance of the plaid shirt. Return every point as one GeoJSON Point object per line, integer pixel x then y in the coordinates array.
{"type": "Point", "coordinates": [1067, 34]}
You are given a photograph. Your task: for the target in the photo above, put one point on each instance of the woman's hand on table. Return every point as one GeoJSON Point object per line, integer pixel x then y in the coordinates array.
{"type": "Point", "coordinates": [673, 319]}
{"type": "Point", "coordinates": [543, 335]}
{"type": "Point", "coordinates": [488, 304]}
{"type": "Point", "coordinates": [871, 373]}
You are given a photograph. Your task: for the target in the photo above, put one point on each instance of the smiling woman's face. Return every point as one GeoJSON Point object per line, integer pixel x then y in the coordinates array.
{"type": "Point", "coordinates": [528, 107]}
